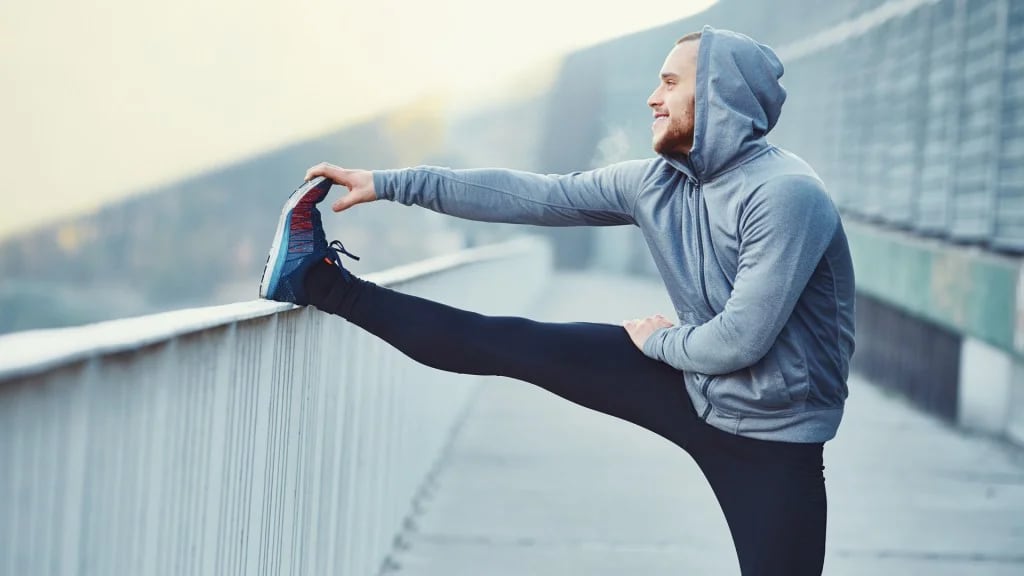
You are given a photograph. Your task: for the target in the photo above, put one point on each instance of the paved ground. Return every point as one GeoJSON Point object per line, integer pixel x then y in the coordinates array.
{"type": "Point", "coordinates": [533, 485]}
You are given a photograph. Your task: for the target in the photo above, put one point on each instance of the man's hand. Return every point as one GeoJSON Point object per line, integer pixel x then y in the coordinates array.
{"type": "Point", "coordinates": [358, 182]}
{"type": "Point", "coordinates": [641, 329]}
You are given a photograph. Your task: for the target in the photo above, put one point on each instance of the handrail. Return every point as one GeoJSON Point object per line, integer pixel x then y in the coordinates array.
{"type": "Point", "coordinates": [32, 352]}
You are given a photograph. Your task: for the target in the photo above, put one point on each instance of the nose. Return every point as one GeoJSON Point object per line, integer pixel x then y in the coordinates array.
{"type": "Point", "coordinates": [655, 99]}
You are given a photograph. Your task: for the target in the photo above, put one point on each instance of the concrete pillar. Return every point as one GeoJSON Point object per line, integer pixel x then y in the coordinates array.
{"type": "Point", "coordinates": [986, 378]}
{"type": "Point", "coordinates": [1015, 405]}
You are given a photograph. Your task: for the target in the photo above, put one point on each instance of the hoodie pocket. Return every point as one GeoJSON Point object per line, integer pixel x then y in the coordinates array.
{"type": "Point", "coordinates": [776, 384]}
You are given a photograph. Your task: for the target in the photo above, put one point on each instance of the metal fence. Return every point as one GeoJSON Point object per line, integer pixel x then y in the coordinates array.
{"type": "Point", "coordinates": [255, 438]}
{"type": "Point", "coordinates": [912, 114]}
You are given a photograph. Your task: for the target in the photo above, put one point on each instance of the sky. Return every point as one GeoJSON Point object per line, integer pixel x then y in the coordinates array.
{"type": "Point", "coordinates": [102, 99]}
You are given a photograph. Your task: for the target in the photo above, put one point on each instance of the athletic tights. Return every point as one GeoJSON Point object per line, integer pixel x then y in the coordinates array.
{"type": "Point", "coordinates": [772, 493]}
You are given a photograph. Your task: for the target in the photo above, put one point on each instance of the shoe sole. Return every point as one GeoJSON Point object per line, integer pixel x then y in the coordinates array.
{"type": "Point", "coordinates": [277, 256]}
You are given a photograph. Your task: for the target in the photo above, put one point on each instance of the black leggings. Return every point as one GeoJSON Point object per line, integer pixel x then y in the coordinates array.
{"type": "Point", "coordinates": [772, 493]}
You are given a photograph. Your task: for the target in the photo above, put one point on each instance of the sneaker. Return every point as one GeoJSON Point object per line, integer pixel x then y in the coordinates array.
{"type": "Point", "coordinates": [298, 244]}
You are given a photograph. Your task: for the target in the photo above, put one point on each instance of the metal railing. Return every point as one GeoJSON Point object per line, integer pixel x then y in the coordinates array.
{"type": "Point", "coordinates": [910, 110]}
{"type": "Point", "coordinates": [253, 438]}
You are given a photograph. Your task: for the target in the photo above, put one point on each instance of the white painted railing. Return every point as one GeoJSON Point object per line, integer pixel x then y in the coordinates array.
{"type": "Point", "coordinates": [254, 438]}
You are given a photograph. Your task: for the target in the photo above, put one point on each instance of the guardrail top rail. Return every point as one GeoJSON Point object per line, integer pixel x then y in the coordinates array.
{"type": "Point", "coordinates": [36, 351]}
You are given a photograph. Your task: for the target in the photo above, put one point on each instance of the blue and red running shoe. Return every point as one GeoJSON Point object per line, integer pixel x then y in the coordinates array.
{"type": "Point", "coordinates": [298, 244]}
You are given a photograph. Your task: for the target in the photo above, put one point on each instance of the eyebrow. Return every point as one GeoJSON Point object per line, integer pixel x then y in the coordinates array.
{"type": "Point", "coordinates": [669, 76]}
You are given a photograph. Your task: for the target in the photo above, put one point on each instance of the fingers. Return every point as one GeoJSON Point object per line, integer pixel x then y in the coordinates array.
{"type": "Point", "coordinates": [640, 329]}
{"type": "Point", "coordinates": [336, 174]}
{"type": "Point", "coordinates": [358, 193]}
{"type": "Point", "coordinates": [318, 170]}
{"type": "Point", "coordinates": [657, 319]}
{"type": "Point", "coordinates": [345, 202]}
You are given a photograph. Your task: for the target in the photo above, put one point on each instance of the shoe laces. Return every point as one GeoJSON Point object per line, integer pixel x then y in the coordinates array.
{"type": "Point", "coordinates": [336, 249]}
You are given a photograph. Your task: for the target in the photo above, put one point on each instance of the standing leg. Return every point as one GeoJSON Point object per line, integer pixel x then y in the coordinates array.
{"type": "Point", "coordinates": [773, 497]}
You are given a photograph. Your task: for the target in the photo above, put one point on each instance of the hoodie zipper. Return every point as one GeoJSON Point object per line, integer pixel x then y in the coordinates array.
{"type": "Point", "coordinates": [699, 207]}
{"type": "Point", "coordinates": [704, 392]}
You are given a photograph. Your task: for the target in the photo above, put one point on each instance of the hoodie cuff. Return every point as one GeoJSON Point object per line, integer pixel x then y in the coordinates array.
{"type": "Point", "coordinates": [655, 344]}
{"type": "Point", "coordinates": [387, 184]}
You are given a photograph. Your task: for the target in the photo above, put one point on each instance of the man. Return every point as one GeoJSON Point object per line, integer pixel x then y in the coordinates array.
{"type": "Point", "coordinates": [752, 380]}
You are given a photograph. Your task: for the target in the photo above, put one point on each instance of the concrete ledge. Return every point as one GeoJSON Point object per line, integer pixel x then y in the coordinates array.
{"type": "Point", "coordinates": [974, 294]}
{"type": "Point", "coordinates": [965, 289]}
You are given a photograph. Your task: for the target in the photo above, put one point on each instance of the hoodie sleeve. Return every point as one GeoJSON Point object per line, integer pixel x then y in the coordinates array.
{"type": "Point", "coordinates": [785, 229]}
{"type": "Point", "coordinates": [602, 197]}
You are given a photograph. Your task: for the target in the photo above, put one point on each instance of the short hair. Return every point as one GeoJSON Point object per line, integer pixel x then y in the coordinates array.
{"type": "Point", "coordinates": [688, 37]}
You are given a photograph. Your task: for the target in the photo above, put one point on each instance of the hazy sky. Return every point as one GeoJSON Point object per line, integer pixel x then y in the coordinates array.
{"type": "Point", "coordinates": [101, 99]}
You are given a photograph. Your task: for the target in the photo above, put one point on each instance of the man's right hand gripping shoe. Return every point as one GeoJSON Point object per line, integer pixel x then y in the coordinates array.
{"type": "Point", "coordinates": [299, 243]}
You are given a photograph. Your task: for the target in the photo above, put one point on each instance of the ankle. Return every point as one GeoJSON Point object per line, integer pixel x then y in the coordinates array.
{"type": "Point", "coordinates": [325, 286]}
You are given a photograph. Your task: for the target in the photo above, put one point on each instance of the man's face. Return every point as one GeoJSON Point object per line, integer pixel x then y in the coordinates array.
{"type": "Point", "coordinates": [673, 101]}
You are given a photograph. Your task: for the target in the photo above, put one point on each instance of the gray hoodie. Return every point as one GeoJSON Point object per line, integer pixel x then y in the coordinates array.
{"type": "Point", "coordinates": [747, 241]}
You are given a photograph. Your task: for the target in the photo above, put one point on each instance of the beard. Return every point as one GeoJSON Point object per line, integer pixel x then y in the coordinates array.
{"type": "Point", "coordinates": [674, 139]}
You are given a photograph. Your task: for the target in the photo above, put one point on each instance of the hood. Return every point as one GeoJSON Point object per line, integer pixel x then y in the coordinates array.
{"type": "Point", "coordinates": [738, 100]}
